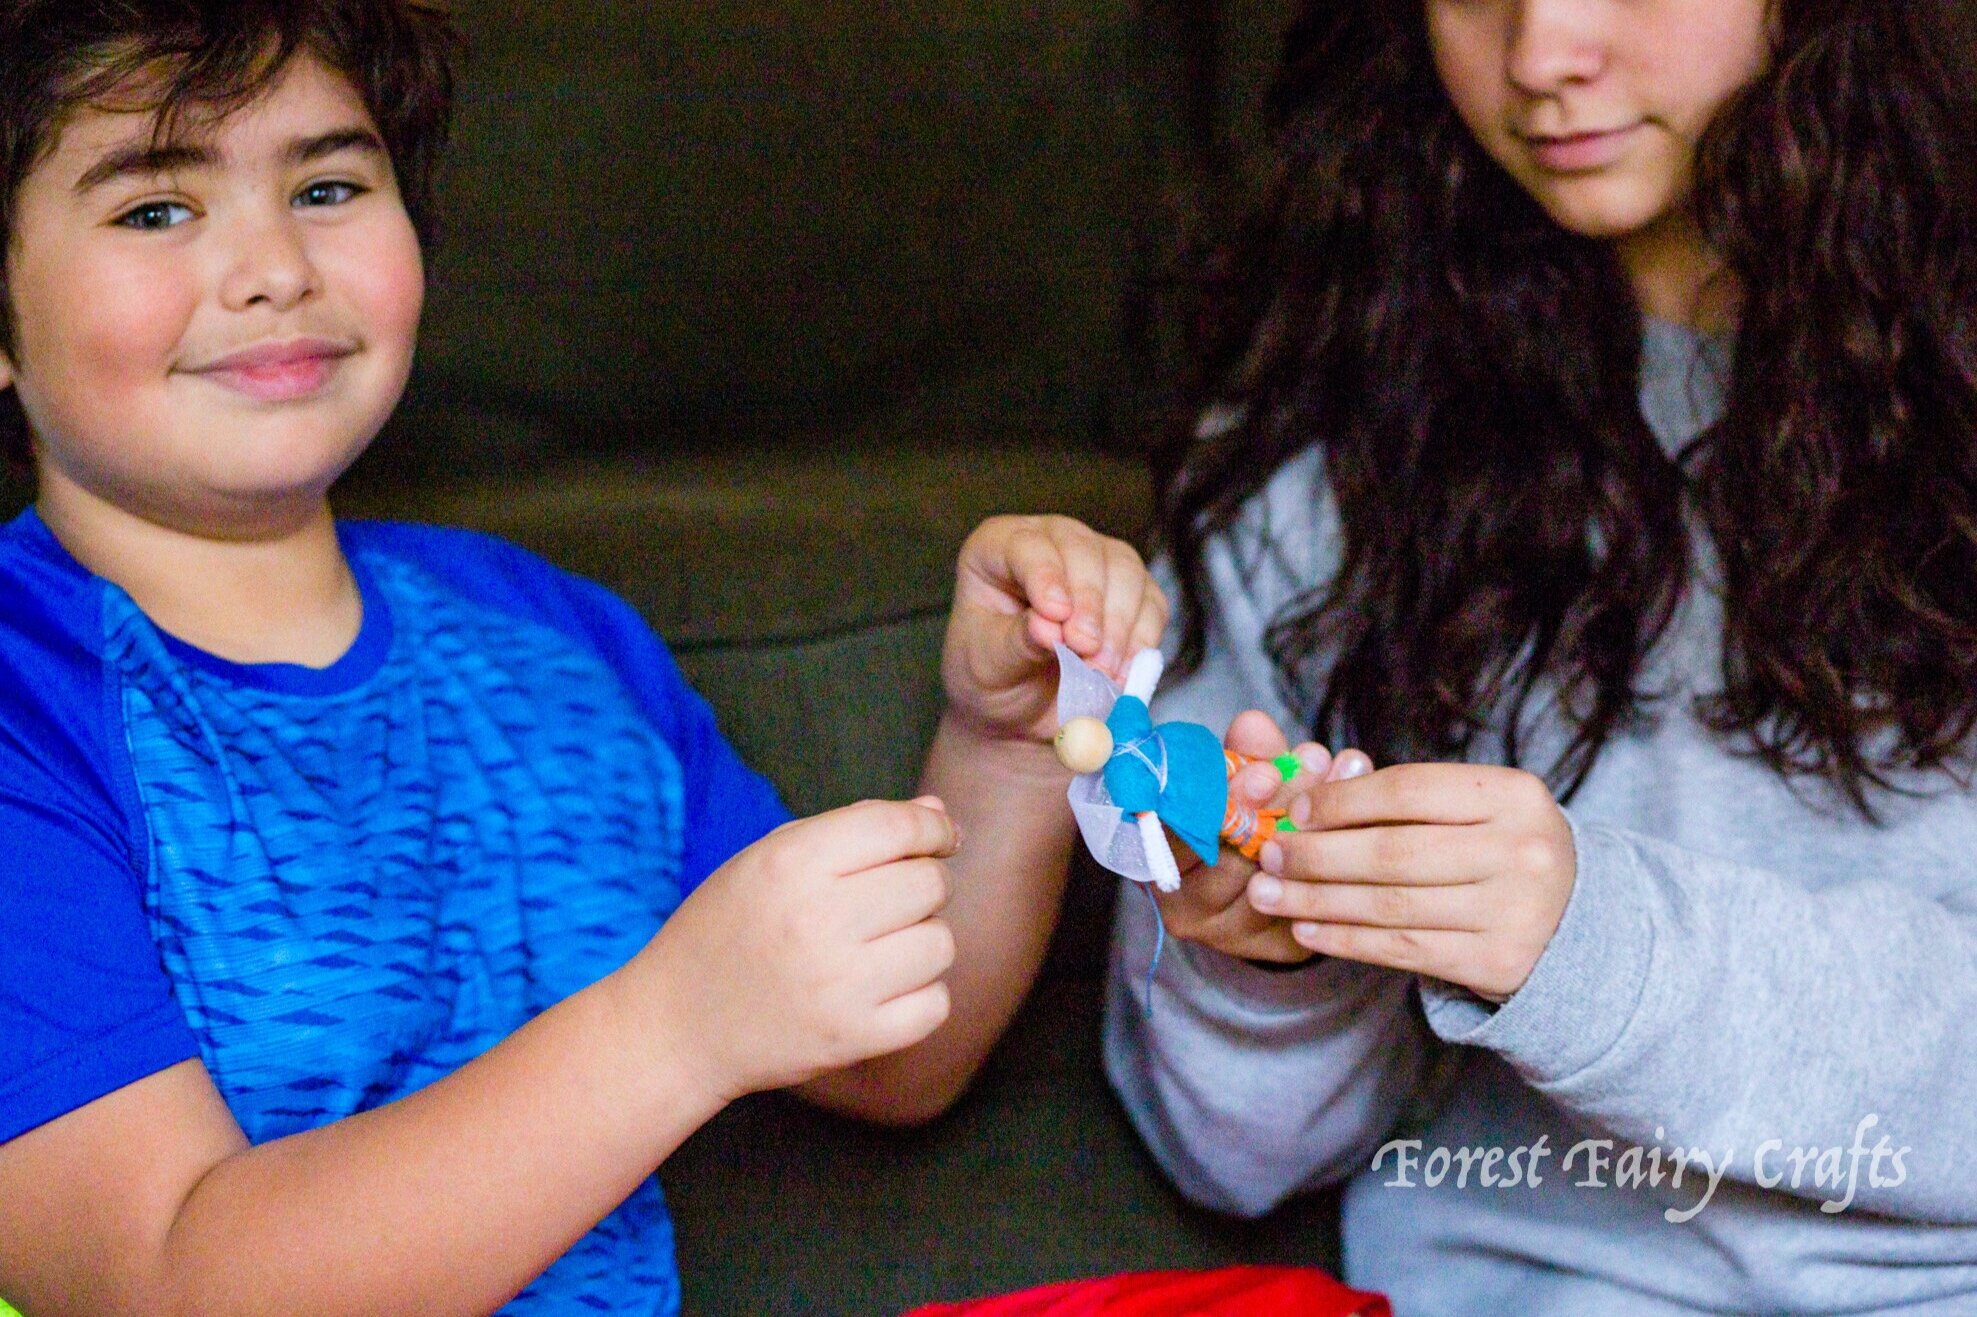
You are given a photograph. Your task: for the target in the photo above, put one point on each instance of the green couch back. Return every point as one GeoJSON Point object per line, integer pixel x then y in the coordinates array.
{"type": "Point", "coordinates": [723, 220]}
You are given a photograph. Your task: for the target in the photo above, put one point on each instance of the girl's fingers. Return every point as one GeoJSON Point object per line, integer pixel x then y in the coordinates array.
{"type": "Point", "coordinates": [1314, 762]}
{"type": "Point", "coordinates": [1230, 927]}
{"type": "Point", "coordinates": [1207, 892]}
{"type": "Point", "coordinates": [1434, 952]}
{"type": "Point", "coordinates": [1255, 733]}
{"type": "Point", "coordinates": [1348, 765]}
{"type": "Point", "coordinates": [1376, 905]}
{"type": "Point", "coordinates": [1151, 624]}
{"type": "Point", "coordinates": [1042, 633]}
{"type": "Point", "coordinates": [1319, 766]}
{"type": "Point", "coordinates": [1276, 946]}
{"type": "Point", "coordinates": [1085, 575]}
{"type": "Point", "coordinates": [1030, 573]}
{"type": "Point", "coordinates": [1252, 938]}
{"type": "Point", "coordinates": [1403, 854]}
{"type": "Point", "coordinates": [1413, 793]}
{"type": "Point", "coordinates": [1126, 584]}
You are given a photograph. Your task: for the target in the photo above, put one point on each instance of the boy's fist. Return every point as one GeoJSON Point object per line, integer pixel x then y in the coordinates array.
{"type": "Point", "coordinates": [816, 948]}
{"type": "Point", "coordinates": [1023, 585]}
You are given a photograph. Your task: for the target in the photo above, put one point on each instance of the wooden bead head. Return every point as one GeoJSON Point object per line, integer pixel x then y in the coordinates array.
{"type": "Point", "coordinates": [1084, 745]}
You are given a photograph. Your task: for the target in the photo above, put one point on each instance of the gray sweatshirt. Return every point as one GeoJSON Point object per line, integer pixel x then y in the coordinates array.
{"type": "Point", "coordinates": [1750, 986]}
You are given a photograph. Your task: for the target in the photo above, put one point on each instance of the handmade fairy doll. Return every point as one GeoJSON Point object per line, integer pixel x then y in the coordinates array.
{"type": "Point", "coordinates": [1134, 776]}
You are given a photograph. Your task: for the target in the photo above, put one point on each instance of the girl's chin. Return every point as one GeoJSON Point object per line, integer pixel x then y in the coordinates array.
{"type": "Point", "coordinates": [1606, 218]}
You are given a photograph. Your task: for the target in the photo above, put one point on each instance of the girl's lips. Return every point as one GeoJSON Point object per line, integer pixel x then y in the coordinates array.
{"type": "Point", "coordinates": [1578, 153]}
{"type": "Point", "coordinates": [288, 372]}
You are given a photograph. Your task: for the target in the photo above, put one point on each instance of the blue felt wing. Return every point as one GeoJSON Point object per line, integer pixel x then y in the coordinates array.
{"type": "Point", "coordinates": [1176, 770]}
{"type": "Point", "coordinates": [1197, 794]}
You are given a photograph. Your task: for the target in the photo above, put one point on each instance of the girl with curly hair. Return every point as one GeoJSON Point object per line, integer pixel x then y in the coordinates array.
{"type": "Point", "coordinates": [1585, 424]}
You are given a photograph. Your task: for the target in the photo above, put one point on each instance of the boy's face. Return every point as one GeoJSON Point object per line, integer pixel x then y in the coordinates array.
{"type": "Point", "coordinates": [207, 335]}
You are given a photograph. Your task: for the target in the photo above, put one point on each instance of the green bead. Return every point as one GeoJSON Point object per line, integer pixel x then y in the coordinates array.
{"type": "Point", "coordinates": [1287, 765]}
{"type": "Point", "coordinates": [1285, 825]}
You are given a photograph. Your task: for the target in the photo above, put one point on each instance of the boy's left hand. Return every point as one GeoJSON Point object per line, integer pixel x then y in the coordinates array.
{"type": "Point", "coordinates": [1456, 871]}
{"type": "Point", "coordinates": [1025, 584]}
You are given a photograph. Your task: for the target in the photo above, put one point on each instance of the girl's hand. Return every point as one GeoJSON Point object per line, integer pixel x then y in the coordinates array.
{"type": "Point", "coordinates": [1023, 585]}
{"type": "Point", "coordinates": [1212, 906]}
{"type": "Point", "coordinates": [1455, 871]}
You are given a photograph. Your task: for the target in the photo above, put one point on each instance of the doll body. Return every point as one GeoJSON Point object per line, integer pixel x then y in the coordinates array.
{"type": "Point", "coordinates": [1135, 776]}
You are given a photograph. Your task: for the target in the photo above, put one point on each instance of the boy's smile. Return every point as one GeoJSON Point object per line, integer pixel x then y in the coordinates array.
{"type": "Point", "coordinates": [212, 325]}
{"type": "Point", "coordinates": [278, 372]}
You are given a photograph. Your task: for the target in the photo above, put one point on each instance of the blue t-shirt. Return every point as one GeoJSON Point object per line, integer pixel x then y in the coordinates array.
{"type": "Point", "coordinates": [335, 886]}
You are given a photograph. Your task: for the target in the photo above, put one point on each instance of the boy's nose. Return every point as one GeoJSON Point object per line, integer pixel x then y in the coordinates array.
{"type": "Point", "coordinates": [270, 267]}
{"type": "Point", "coordinates": [1553, 43]}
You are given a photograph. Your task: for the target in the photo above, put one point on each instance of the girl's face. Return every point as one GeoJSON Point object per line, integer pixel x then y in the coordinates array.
{"type": "Point", "coordinates": [1595, 106]}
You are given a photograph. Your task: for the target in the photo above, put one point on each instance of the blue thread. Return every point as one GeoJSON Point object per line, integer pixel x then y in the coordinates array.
{"type": "Point", "coordinates": [1158, 770]}
{"type": "Point", "coordinates": [1159, 945]}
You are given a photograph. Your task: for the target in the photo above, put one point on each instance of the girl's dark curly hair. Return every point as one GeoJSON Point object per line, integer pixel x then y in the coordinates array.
{"type": "Point", "coordinates": [1470, 371]}
{"type": "Point", "coordinates": [211, 56]}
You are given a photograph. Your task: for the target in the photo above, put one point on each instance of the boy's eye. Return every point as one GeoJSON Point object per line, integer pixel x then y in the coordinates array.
{"type": "Point", "coordinates": [327, 194]}
{"type": "Point", "coordinates": [155, 215]}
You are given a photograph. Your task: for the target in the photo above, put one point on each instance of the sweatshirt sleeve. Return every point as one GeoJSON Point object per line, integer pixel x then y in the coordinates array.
{"type": "Point", "coordinates": [1821, 1038]}
{"type": "Point", "coordinates": [1249, 1086]}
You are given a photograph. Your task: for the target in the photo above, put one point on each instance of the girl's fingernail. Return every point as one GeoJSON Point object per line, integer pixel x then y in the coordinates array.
{"type": "Point", "coordinates": [1306, 934]}
{"type": "Point", "coordinates": [1271, 859]}
{"type": "Point", "coordinates": [1259, 784]}
{"type": "Point", "coordinates": [1265, 892]}
{"type": "Point", "coordinates": [1108, 659]}
{"type": "Point", "coordinates": [1352, 764]}
{"type": "Point", "coordinates": [1315, 758]}
{"type": "Point", "coordinates": [1301, 811]}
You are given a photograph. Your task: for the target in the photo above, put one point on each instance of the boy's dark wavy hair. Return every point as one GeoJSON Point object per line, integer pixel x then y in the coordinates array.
{"type": "Point", "coordinates": [177, 57]}
{"type": "Point", "coordinates": [1471, 370]}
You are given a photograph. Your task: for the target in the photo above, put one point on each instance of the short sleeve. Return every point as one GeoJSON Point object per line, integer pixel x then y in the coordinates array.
{"type": "Point", "coordinates": [85, 1007]}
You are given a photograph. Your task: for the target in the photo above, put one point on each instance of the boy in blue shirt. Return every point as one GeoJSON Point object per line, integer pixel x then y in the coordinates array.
{"type": "Point", "coordinates": [379, 906]}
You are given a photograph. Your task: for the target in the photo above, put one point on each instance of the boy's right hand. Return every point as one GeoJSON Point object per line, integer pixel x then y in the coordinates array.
{"type": "Point", "coordinates": [814, 949]}
{"type": "Point", "coordinates": [1212, 906]}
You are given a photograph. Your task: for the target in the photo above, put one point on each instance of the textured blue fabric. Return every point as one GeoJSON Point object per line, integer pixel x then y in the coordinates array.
{"type": "Point", "coordinates": [342, 884]}
{"type": "Point", "coordinates": [1176, 770]}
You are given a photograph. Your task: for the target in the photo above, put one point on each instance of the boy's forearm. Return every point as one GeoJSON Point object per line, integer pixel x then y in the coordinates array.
{"type": "Point", "coordinates": [1008, 798]}
{"type": "Point", "coordinates": [450, 1200]}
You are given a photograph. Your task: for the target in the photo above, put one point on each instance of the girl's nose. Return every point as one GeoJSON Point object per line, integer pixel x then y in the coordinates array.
{"type": "Point", "coordinates": [1555, 43]}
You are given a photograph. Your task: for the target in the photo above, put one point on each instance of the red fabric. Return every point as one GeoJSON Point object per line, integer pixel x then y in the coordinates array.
{"type": "Point", "coordinates": [1231, 1292]}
